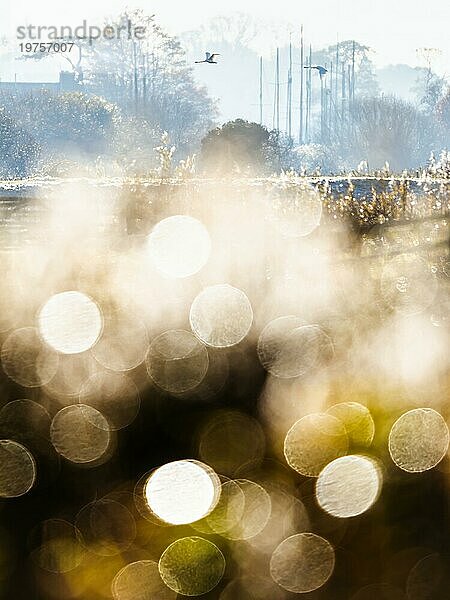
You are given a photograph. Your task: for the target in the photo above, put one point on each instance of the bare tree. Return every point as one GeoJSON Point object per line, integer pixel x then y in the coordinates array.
{"type": "Point", "coordinates": [388, 129]}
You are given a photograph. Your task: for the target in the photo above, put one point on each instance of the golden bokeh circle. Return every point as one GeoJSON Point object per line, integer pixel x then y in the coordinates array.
{"type": "Point", "coordinates": [221, 316]}
{"type": "Point", "coordinates": [256, 513]}
{"type": "Point", "coordinates": [192, 566]}
{"type": "Point", "coordinates": [24, 419]}
{"type": "Point", "coordinates": [418, 440]}
{"type": "Point", "coordinates": [17, 469]}
{"type": "Point", "coordinates": [228, 511]}
{"type": "Point", "coordinates": [357, 420]}
{"type": "Point", "coordinates": [80, 433]}
{"type": "Point", "coordinates": [302, 563]}
{"type": "Point", "coordinates": [140, 580]}
{"type": "Point", "coordinates": [314, 441]}
{"type": "Point", "coordinates": [27, 360]}
{"type": "Point", "coordinates": [177, 361]}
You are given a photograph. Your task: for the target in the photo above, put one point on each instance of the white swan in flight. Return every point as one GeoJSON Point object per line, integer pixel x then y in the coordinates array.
{"type": "Point", "coordinates": [209, 59]}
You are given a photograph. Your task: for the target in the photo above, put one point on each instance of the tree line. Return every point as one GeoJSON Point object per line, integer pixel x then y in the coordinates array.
{"type": "Point", "coordinates": [132, 93]}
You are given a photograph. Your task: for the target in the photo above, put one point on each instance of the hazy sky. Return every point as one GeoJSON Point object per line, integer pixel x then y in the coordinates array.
{"type": "Point", "coordinates": [393, 28]}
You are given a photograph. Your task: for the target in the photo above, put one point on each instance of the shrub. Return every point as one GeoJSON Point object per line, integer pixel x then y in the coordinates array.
{"type": "Point", "coordinates": [245, 148]}
{"type": "Point", "coordinates": [19, 151]}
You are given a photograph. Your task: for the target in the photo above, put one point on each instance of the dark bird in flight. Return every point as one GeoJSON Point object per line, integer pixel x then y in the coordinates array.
{"type": "Point", "coordinates": [209, 59]}
{"type": "Point", "coordinates": [322, 70]}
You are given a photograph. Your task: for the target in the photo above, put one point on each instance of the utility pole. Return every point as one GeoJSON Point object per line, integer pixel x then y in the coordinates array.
{"type": "Point", "coordinates": [277, 92]}
{"type": "Point", "coordinates": [260, 90]}
{"type": "Point", "coordinates": [353, 71]}
{"type": "Point", "coordinates": [144, 81]}
{"type": "Point", "coordinates": [330, 100]}
{"type": "Point", "coordinates": [300, 134]}
{"type": "Point", "coordinates": [349, 86]}
{"type": "Point", "coordinates": [135, 79]}
{"type": "Point", "coordinates": [343, 116]}
{"type": "Point", "coordinates": [336, 88]}
{"type": "Point", "coordinates": [308, 98]}
{"type": "Point", "coordinates": [310, 93]}
{"type": "Point", "coordinates": [322, 108]}
{"type": "Point", "coordinates": [351, 97]}
{"type": "Point", "coordinates": [289, 94]}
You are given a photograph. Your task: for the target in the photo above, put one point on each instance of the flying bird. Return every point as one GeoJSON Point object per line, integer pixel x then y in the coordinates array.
{"type": "Point", "coordinates": [322, 70]}
{"type": "Point", "coordinates": [209, 59]}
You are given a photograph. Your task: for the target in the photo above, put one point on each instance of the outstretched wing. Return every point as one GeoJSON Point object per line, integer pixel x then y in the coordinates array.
{"type": "Point", "coordinates": [214, 55]}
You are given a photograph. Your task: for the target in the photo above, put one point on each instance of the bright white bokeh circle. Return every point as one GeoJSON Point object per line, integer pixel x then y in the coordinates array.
{"type": "Point", "coordinates": [348, 486]}
{"type": "Point", "coordinates": [182, 492]}
{"type": "Point", "coordinates": [70, 322]}
{"type": "Point", "coordinates": [179, 246]}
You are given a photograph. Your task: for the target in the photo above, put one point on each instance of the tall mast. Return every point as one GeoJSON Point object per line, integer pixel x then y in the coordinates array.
{"type": "Point", "coordinates": [330, 101]}
{"type": "Point", "coordinates": [349, 93]}
{"type": "Point", "coordinates": [135, 80]}
{"type": "Point", "coordinates": [144, 81]}
{"type": "Point", "coordinates": [310, 93]}
{"type": "Point", "coordinates": [336, 87]}
{"type": "Point", "coordinates": [343, 96]}
{"type": "Point", "coordinates": [300, 134]}
{"type": "Point", "coordinates": [322, 108]}
{"type": "Point", "coordinates": [352, 104]}
{"type": "Point", "coordinates": [277, 93]}
{"type": "Point", "coordinates": [289, 95]}
{"type": "Point", "coordinates": [353, 71]}
{"type": "Point", "coordinates": [350, 99]}
{"type": "Point", "coordinates": [260, 90]}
